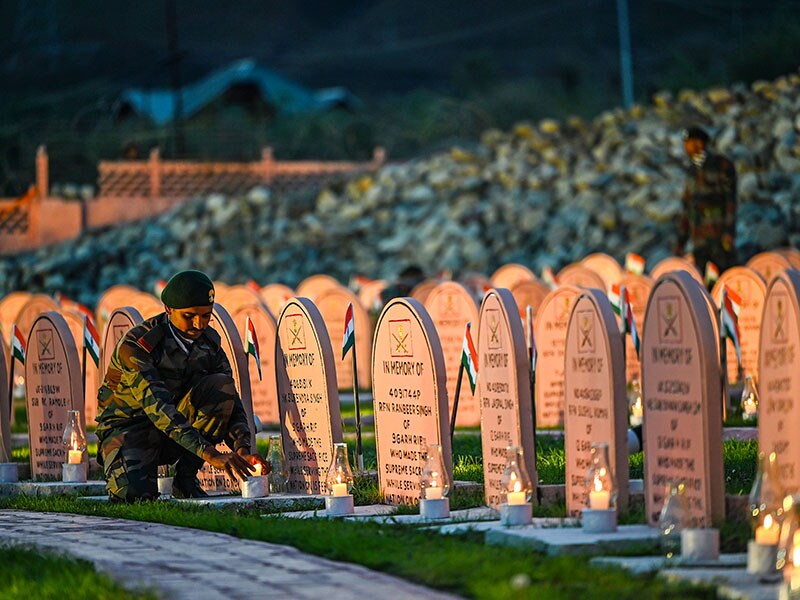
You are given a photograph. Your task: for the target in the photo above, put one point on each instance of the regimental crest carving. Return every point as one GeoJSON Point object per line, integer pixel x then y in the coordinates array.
{"type": "Point", "coordinates": [295, 331]}
{"type": "Point", "coordinates": [778, 328]}
{"type": "Point", "coordinates": [400, 342]}
{"type": "Point", "coordinates": [493, 320]}
{"type": "Point", "coordinates": [564, 308]}
{"type": "Point", "coordinates": [670, 329]}
{"type": "Point", "coordinates": [448, 304]}
{"type": "Point", "coordinates": [47, 350]}
{"type": "Point", "coordinates": [585, 332]}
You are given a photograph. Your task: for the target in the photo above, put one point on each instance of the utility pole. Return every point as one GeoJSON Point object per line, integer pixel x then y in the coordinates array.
{"type": "Point", "coordinates": [174, 62]}
{"type": "Point", "coordinates": [625, 62]}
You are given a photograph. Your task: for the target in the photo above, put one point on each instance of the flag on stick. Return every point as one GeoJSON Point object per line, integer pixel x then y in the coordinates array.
{"type": "Point", "coordinates": [349, 339]}
{"type": "Point", "coordinates": [729, 313]}
{"type": "Point", "coordinates": [634, 263]}
{"type": "Point", "coordinates": [469, 358]}
{"type": "Point", "coordinates": [549, 278]}
{"type": "Point", "coordinates": [252, 343]}
{"type": "Point", "coordinates": [91, 340]}
{"type": "Point", "coordinates": [613, 297]}
{"type": "Point", "coordinates": [530, 337]}
{"type": "Point", "coordinates": [17, 344]}
{"type": "Point", "coordinates": [628, 323]}
{"type": "Point", "coordinates": [711, 275]}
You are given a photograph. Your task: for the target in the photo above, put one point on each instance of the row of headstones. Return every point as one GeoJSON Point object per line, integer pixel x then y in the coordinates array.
{"type": "Point", "coordinates": [681, 388]}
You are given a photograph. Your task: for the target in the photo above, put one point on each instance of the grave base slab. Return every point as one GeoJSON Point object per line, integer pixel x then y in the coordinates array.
{"type": "Point", "coordinates": [277, 502]}
{"type": "Point", "coordinates": [51, 488]}
{"type": "Point", "coordinates": [572, 540]}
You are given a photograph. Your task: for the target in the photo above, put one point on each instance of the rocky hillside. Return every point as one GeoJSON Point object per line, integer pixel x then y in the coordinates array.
{"type": "Point", "coordinates": [544, 193]}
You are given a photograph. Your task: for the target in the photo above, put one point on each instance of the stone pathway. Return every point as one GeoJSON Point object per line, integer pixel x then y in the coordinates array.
{"type": "Point", "coordinates": [193, 564]}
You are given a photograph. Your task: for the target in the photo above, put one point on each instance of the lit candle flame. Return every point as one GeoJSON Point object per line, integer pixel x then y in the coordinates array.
{"type": "Point", "coordinates": [598, 484]}
{"type": "Point", "coordinates": [768, 522]}
{"type": "Point", "coordinates": [517, 486]}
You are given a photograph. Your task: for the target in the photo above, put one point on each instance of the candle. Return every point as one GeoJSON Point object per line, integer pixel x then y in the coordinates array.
{"type": "Point", "coordinates": [750, 409]}
{"type": "Point", "coordinates": [75, 457]}
{"type": "Point", "coordinates": [599, 499]}
{"type": "Point", "coordinates": [433, 493]}
{"type": "Point", "coordinates": [636, 413]}
{"type": "Point", "coordinates": [339, 489]}
{"type": "Point", "coordinates": [515, 498]}
{"type": "Point", "coordinates": [768, 533]}
{"type": "Point", "coordinates": [257, 471]}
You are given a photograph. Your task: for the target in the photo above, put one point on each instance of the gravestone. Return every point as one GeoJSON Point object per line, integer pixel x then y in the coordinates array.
{"type": "Point", "coordinates": [779, 386]}
{"type": "Point", "coordinates": [308, 400]}
{"type": "Point", "coordinates": [410, 398]}
{"type": "Point", "coordinates": [275, 296]}
{"type": "Point", "coordinates": [580, 276]}
{"type": "Point", "coordinates": [605, 266]}
{"type": "Point", "coordinates": [451, 307]}
{"type": "Point", "coordinates": [792, 255]}
{"type": "Point", "coordinates": [210, 478]}
{"type": "Point", "coordinates": [120, 321]}
{"type": "Point", "coordinates": [146, 304]}
{"type": "Point", "coordinates": [5, 406]}
{"type": "Point", "coordinates": [596, 407]}
{"type": "Point", "coordinates": [675, 263]}
{"type": "Point", "coordinates": [313, 286]}
{"type": "Point", "coordinates": [681, 391]}
{"type": "Point", "coordinates": [504, 390]}
{"type": "Point", "coordinates": [752, 289]}
{"type": "Point", "coordinates": [370, 294]}
{"type": "Point", "coordinates": [510, 275]}
{"type": "Point", "coordinates": [264, 390]}
{"type": "Point", "coordinates": [113, 297]}
{"type": "Point", "coordinates": [529, 293]}
{"type": "Point", "coordinates": [236, 296]}
{"type": "Point", "coordinates": [10, 306]}
{"type": "Point", "coordinates": [421, 290]}
{"type": "Point", "coordinates": [550, 330]}
{"type": "Point", "coordinates": [332, 304]}
{"type": "Point", "coordinates": [52, 387]}
{"type": "Point", "coordinates": [638, 287]}
{"type": "Point", "coordinates": [768, 264]}
{"type": "Point", "coordinates": [36, 305]}
{"type": "Point", "coordinates": [75, 323]}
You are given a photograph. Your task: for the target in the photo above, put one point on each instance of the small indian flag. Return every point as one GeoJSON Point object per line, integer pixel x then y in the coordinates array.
{"type": "Point", "coordinates": [549, 278]}
{"type": "Point", "coordinates": [628, 323]}
{"type": "Point", "coordinates": [251, 341]}
{"type": "Point", "coordinates": [530, 338]}
{"type": "Point", "coordinates": [17, 344]}
{"type": "Point", "coordinates": [634, 263]}
{"type": "Point", "coordinates": [613, 297]}
{"type": "Point", "coordinates": [729, 315]}
{"type": "Point", "coordinates": [469, 358]}
{"type": "Point", "coordinates": [253, 286]}
{"type": "Point", "coordinates": [349, 339]}
{"type": "Point", "coordinates": [158, 287]}
{"type": "Point", "coordinates": [711, 275]}
{"type": "Point", "coordinates": [91, 340]}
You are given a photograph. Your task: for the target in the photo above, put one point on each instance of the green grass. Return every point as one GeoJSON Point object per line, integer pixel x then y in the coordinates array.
{"type": "Point", "coordinates": [459, 564]}
{"type": "Point", "coordinates": [32, 573]}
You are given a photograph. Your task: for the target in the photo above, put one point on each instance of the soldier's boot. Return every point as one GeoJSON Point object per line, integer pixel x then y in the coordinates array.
{"type": "Point", "coordinates": [185, 484]}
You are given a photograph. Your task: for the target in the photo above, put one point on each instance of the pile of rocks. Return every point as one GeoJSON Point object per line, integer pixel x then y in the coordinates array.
{"type": "Point", "coordinates": [545, 193]}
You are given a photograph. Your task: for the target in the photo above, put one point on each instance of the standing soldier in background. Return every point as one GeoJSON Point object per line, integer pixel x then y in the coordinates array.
{"type": "Point", "coordinates": [707, 226]}
{"type": "Point", "coordinates": [169, 397]}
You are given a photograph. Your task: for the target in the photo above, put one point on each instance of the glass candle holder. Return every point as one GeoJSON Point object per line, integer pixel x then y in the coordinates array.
{"type": "Point", "coordinates": [434, 481]}
{"type": "Point", "coordinates": [600, 483]}
{"type": "Point", "coordinates": [340, 476]}
{"type": "Point", "coordinates": [635, 406]}
{"type": "Point", "coordinates": [74, 439]}
{"type": "Point", "coordinates": [515, 483]}
{"type": "Point", "coordinates": [279, 475]}
{"type": "Point", "coordinates": [673, 518]}
{"type": "Point", "coordinates": [766, 500]}
{"type": "Point", "coordinates": [750, 400]}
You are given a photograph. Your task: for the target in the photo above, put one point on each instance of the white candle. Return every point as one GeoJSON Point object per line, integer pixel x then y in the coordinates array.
{"type": "Point", "coordinates": [257, 471]}
{"type": "Point", "coordinates": [339, 489]}
{"type": "Point", "coordinates": [515, 498]}
{"type": "Point", "coordinates": [636, 413]}
{"type": "Point", "coordinates": [599, 499]}
{"type": "Point", "coordinates": [75, 457]}
{"type": "Point", "coordinates": [750, 409]}
{"type": "Point", "coordinates": [433, 493]}
{"type": "Point", "coordinates": [768, 534]}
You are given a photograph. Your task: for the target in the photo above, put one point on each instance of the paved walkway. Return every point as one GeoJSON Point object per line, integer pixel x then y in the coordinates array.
{"type": "Point", "coordinates": [193, 564]}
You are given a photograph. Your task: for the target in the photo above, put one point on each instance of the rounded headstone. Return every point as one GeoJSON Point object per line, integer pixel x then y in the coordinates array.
{"type": "Point", "coordinates": [30, 311]}
{"type": "Point", "coordinates": [275, 296]}
{"type": "Point", "coordinates": [308, 400]}
{"type": "Point", "coordinates": [409, 398]}
{"type": "Point", "coordinates": [681, 391]}
{"type": "Point", "coordinates": [768, 264]}
{"type": "Point", "coordinates": [10, 306]}
{"type": "Point", "coordinates": [75, 323]}
{"type": "Point", "coordinates": [236, 296]}
{"type": "Point", "coordinates": [550, 329]}
{"type": "Point", "coordinates": [113, 297]}
{"type": "Point", "coordinates": [504, 390]}
{"type": "Point", "coordinates": [792, 255]}
{"type": "Point", "coordinates": [451, 307]}
{"type": "Point", "coordinates": [779, 369]}
{"type": "Point", "coordinates": [675, 263]}
{"type": "Point", "coordinates": [596, 408]}
{"type": "Point", "coordinates": [507, 276]}
{"type": "Point", "coordinates": [638, 287]}
{"type": "Point", "coordinates": [580, 276]}
{"type": "Point", "coordinates": [52, 387]}
{"type": "Point", "coordinates": [313, 286]}
{"type": "Point", "coordinates": [370, 294]}
{"type": "Point", "coordinates": [529, 293]}
{"type": "Point", "coordinates": [120, 321]}
{"type": "Point", "coordinates": [605, 266]}
{"type": "Point", "coordinates": [421, 290]}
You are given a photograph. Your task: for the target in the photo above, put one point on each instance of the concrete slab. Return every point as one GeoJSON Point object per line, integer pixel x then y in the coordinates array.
{"type": "Point", "coordinates": [51, 488]}
{"type": "Point", "coordinates": [481, 513]}
{"type": "Point", "coordinates": [278, 502]}
{"type": "Point", "coordinates": [572, 540]}
{"type": "Point", "coordinates": [361, 512]}
{"type": "Point", "coordinates": [486, 526]}
{"type": "Point", "coordinates": [735, 584]}
{"type": "Point", "coordinates": [641, 565]}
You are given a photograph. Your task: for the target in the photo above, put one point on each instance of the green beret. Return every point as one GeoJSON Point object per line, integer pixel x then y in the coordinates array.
{"type": "Point", "coordinates": [187, 289]}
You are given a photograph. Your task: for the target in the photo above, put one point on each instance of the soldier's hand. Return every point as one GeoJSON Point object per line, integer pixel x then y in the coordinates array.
{"type": "Point", "coordinates": [255, 459]}
{"type": "Point", "coordinates": [230, 462]}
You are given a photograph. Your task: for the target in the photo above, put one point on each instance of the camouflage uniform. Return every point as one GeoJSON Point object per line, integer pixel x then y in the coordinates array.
{"type": "Point", "coordinates": [158, 405]}
{"type": "Point", "coordinates": [709, 212]}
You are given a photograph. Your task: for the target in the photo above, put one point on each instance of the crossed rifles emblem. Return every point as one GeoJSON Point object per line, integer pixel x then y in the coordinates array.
{"type": "Point", "coordinates": [586, 332]}
{"type": "Point", "coordinates": [779, 319]}
{"type": "Point", "coordinates": [46, 350]}
{"type": "Point", "coordinates": [670, 317]}
{"type": "Point", "coordinates": [494, 331]}
{"type": "Point", "coordinates": [296, 331]}
{"type": "Point", "coordinates": [401, 341]}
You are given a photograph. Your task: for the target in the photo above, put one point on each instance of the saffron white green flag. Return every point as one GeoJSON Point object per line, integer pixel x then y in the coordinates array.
{"type": "Point", "coordinates": [634, 263]}
{"type": "Point", "coordinates": [349, 339]}
{"type": "Point", "coordinates": [91, 340]}
{"type": "Point", "coordinates": [252, 343]}
{"type": "Point", "coordinates": [729, 314]}
{"type": "Point", "coordinates": [613, 297]}
{"type": "Point", "coordinates": [628, 323]}
{"type": "Point", "coordinates": [469, 358]}
{"type": "Point", "coordinates": [17, 344]}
